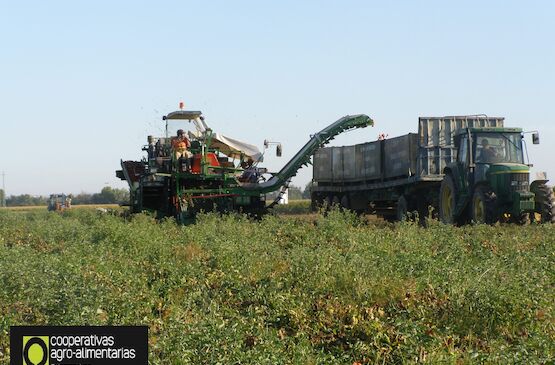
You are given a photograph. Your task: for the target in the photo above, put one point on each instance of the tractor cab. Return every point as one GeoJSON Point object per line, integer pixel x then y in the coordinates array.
{"type": "Point", "coordinates": [198, 153]}
{"type": "Point", "coordinates": [208, 153]}
{"type": "Point", "coordinates": [175, 121]}
{"type": "Point", "coordinates": [487, 151]}
{"type": "Point", "coordinates": [489, 180]}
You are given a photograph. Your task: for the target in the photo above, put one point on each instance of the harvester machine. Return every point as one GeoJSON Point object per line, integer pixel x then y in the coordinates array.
{"type": "Point", "coordinates": [217, 173]}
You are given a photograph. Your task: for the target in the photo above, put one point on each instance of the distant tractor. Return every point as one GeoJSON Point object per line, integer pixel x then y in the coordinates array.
{"type": "Point", "coordinates": [212, 172]}
{"type": "Point", "coordinates": [59, 202]}
{"type": "Point", "coordinates": [489, 180]}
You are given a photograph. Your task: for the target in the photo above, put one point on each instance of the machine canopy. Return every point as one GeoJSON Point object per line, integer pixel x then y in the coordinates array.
{"type": "Point", "coordinates": [233, 148]}
{"type": "Point", "coordinates": [227, 145]}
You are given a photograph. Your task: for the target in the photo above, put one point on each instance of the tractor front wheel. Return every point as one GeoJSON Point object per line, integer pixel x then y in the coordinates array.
{"type": "Point", "coordinates": [545, 203]}
{"type": "Point", "coordinates": [483, 206]}
{"type": "Point", "coordinates": [524, 219]}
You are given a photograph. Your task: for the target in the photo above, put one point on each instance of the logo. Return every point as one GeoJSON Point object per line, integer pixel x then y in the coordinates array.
{"type": "Point", "coordinates": [92, 345]}
{"type": "Point", "coordinates": [35, 350]}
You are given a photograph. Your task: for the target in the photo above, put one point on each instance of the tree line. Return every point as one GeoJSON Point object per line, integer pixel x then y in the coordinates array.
{"type": "Point", "coordinates": [107, 195]}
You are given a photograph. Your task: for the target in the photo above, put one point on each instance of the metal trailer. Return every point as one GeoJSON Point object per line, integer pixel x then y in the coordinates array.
{"type": "Point", "coordinates": [393, 176]}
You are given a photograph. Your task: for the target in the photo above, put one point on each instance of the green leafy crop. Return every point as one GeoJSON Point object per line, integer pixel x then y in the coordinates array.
{"type": "Point", "coordinates": [286, 290]}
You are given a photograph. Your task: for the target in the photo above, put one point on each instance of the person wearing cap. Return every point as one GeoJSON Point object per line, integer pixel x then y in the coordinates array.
{"type": "Point", "coordinates": [180, 146]}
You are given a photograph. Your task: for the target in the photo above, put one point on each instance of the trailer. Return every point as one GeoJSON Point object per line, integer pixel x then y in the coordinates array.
{"type": "Point", "coordinates": [399, 177]}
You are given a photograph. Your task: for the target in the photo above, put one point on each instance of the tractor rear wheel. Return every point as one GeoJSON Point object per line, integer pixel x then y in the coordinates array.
{"type": "Point", "coordinates": [545, 203]}
{"type": "Point", "coordinates": [447, 201]}
{"type": "Point", "coordinates": [483, 206]}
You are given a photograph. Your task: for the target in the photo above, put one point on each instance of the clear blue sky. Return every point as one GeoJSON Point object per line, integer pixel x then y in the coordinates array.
{"type": "Point", "coordinates": [83, 83]}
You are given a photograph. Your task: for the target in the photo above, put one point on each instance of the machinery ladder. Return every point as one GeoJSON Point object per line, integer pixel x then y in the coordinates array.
{"type": "Point", "coordinates": [282, 191]}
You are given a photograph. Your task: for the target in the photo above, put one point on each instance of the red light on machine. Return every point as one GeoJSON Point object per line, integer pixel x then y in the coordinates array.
{"type": "Point", "coordinates": [181, 105]}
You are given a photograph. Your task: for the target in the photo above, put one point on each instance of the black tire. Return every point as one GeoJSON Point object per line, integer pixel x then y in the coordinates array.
{"type": "Point", "coordinates": [482, 207]}
{"type": "Point", "coordinates": [422, 208]}
{"type": "Point", "coordinates": [336, 201]}
{"type": "Point", "coordinates": [402, 208]}
{"type": "Point", "coordinates": [524, 219]}
{"type": "Point", "coordinates": [391, 218]}
{"type": "Point", "coordinates": [545, 203]}
{"type": "Point", "coordinates": [345, 202]}
{"type": "Point", "coordinates": [316, 203]}
{"type": "Point", "coordinates": [447, 200]}
{"type": "Point", "coordinates": [328, 202]}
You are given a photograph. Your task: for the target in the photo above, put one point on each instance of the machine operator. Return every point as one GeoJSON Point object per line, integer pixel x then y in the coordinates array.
{"type": "Point", "coordinates": [487, 154]}
{"type": "Point", "coordinates": [180, 146]}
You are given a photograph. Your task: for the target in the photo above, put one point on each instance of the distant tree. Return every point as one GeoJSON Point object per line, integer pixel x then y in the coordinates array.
{"type": "Point", "coordinates": [1, 196]}
{"type": "Point", "coordinates": [25, 200]}
{"type": "Point", "coordinates": [109, 195]}
{"type": "Point", "coordinates": [106, 196]}
{"type": "Point", "coordinates": [81, 198]}
{"type": "Point", "coordinates": [122, 195]}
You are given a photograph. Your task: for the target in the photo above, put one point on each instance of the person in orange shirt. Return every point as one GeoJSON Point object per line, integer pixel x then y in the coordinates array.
{"type": "Point", "coordinates": [180, 146]}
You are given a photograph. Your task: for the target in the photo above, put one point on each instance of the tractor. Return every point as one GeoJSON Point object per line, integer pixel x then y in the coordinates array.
{"type": "Point", "coordinates": [59, 202]}
{"type": "Point", "coordinates": [489, 180]}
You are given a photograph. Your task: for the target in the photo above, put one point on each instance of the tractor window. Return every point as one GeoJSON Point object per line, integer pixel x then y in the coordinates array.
{"type": "Point", "coordinates": [463, 150]}
{"type": "Point", "coordinates": [498, 148]}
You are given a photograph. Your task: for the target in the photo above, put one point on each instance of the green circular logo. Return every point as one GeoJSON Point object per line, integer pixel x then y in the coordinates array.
{"type": "Point", "coordinates": [35, 350]}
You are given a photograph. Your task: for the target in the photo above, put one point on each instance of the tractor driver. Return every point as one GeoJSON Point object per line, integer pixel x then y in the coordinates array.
{"type": "Point", "coordinates": [180, 145]}
{"type": "Point", "coordinates": [487, 154]}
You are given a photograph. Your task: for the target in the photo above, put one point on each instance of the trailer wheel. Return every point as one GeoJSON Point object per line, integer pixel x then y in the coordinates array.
{"type": "Point", "coordinates": [316, 202]}
{"type": "Point", "coordinates": [483, 206]}
{"type": "Point", "coordinates": [335, 201]}
{"type": "Point", "coordinates": [447, 201]}
{"type": "Point", "coordinates": [345, 203]}
{"type": "Point", "coordinates": [402, 208]}
{"type": "Point", "coordinates": [545, 203]}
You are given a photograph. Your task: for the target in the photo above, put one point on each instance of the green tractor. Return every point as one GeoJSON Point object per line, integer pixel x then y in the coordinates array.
{"type": "Point", "coordinates": [489, 181]}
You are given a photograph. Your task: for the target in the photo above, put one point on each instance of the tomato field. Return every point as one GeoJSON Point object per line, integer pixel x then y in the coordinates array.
{"type": "Point", "coordinates": [286, 289]}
